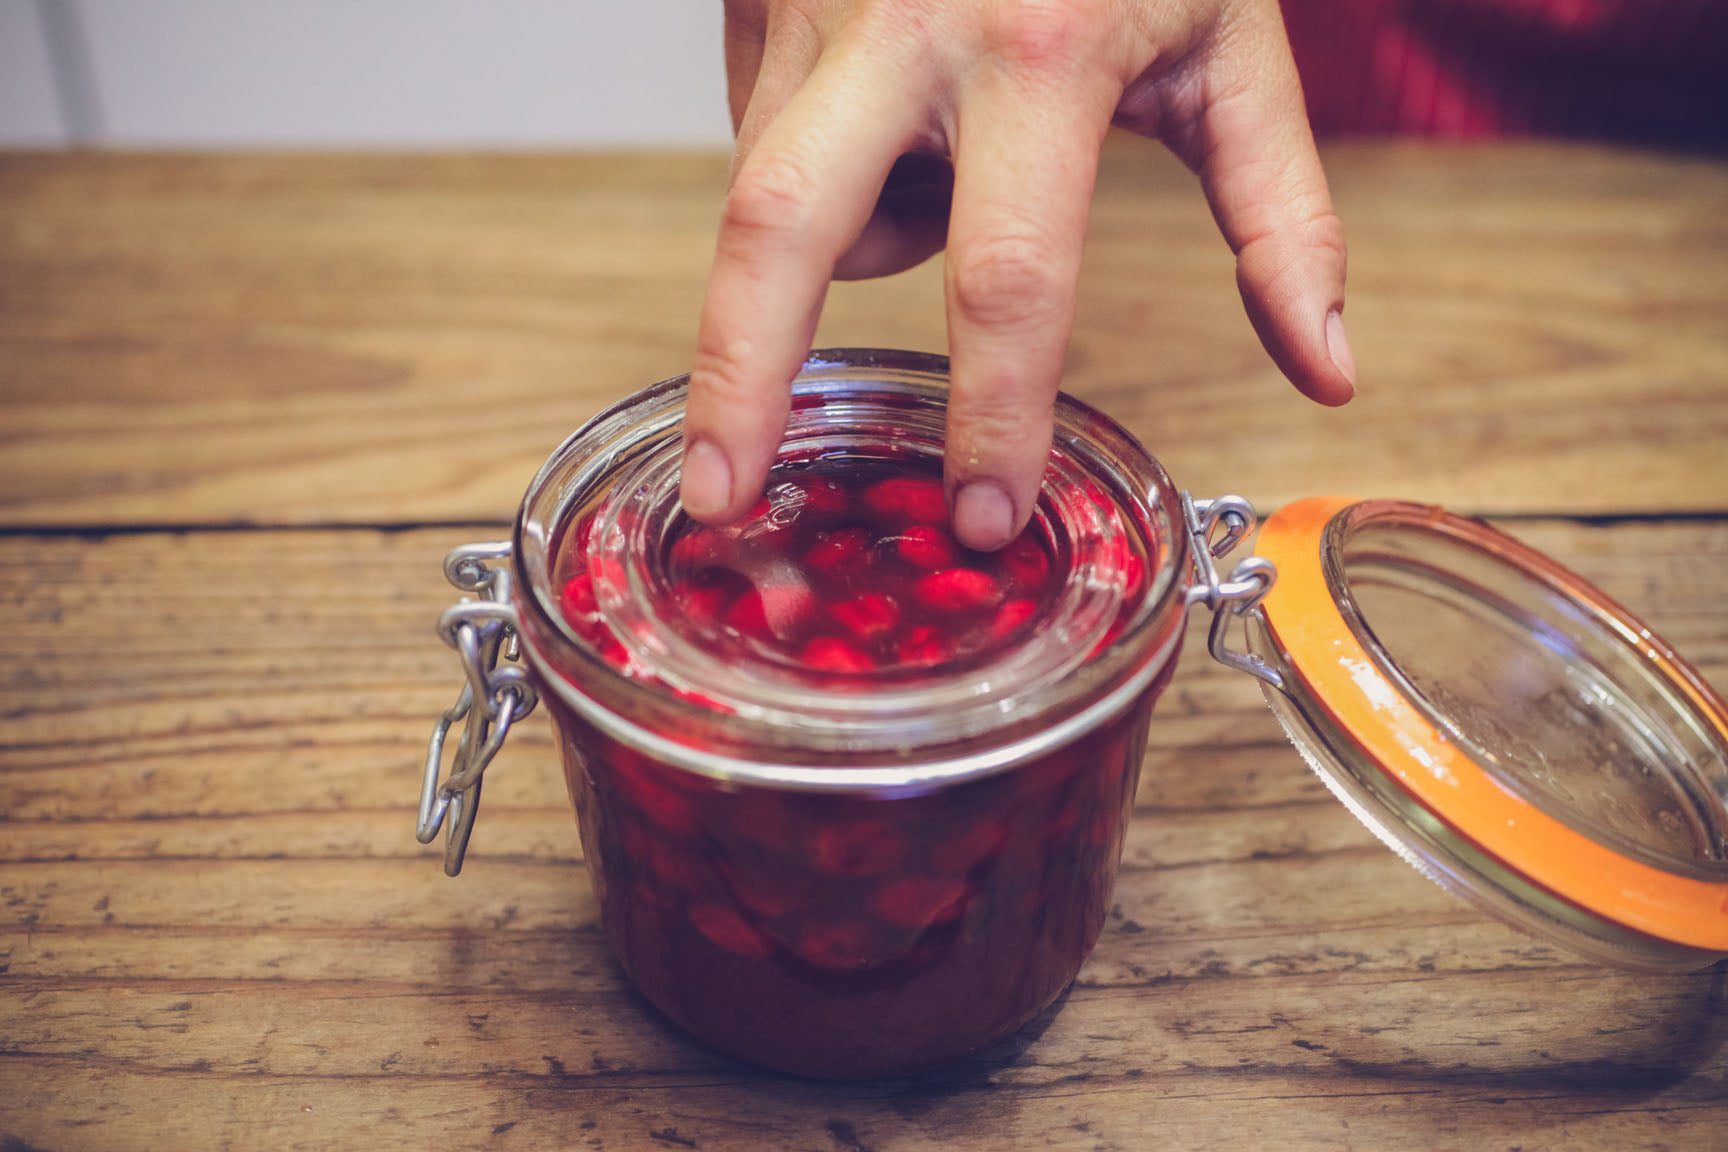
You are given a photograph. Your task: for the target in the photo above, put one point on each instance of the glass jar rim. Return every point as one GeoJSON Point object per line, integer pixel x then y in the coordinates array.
{"type": "Point", "coordinates": [1414, 775]}
{"type": "Point", "coordinates": [922, 746]}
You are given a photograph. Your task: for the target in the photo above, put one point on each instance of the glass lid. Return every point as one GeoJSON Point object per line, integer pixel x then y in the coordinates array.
{"type": "Point", "coordinates": [1504, 726]}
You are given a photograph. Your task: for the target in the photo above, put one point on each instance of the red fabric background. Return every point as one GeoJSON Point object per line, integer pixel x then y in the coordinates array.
{"type": "Point", "coordinates": [1644, 71]}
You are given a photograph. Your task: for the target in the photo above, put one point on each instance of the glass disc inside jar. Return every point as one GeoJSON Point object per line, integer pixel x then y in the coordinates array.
{"type": "Point", "coordinates": [1505, 726]}
{"type": "Point", "coordinates": [842, 598]}
{"type": "Point", "coordinates": [846, 569]}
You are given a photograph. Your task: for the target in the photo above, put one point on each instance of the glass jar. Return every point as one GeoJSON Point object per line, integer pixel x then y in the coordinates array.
{"type": "Point", "coordinates": [853, 800]}
{"type": "Point", "coordinates": [849, 872]}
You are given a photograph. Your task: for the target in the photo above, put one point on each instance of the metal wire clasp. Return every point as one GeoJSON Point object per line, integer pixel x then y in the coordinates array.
{"type": "Point", "coordinates": [482, 631]}
{"type": "Point", "coordinates": [1214, 528]}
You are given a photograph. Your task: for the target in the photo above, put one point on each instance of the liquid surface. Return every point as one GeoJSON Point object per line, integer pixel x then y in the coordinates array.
{"type": "Point", "coordinates": [845, 570]}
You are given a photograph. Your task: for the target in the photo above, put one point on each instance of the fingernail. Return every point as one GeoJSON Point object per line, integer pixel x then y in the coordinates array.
{"type": "Point", "coordinates": [983, 515]}
{"type": "Point", "coordinates": [706, 487]}
{"type": "Point", "coordinates": [1338, 347]}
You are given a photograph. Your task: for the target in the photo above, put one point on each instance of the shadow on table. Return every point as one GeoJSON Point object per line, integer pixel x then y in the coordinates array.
{"type": "Point", "coordinates": [1667, 1029]}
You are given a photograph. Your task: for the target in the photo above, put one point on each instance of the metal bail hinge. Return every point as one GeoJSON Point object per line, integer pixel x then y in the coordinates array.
{"type": "Point", "coordinates": [1214, 528]}
{"type": "Point", "coordinates": [482, 631]}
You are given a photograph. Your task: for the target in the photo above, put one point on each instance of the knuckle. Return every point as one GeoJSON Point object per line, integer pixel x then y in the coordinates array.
{"type": "Point", "coordinates": [803, 16]}
{"type": "Point", "coordinates": [721, 372]}
{"type": "Point", "coordinates": [999, 438]}
{"type": "Point", "coordinates": [1001, 430]}
{"type": "Point", "coordinates": [1278, 250]}
{"type": "Point", "coordinates": [1004, 279]}
{"type": "Point", "coordinates": [1323, 229]}
{"type": "Point", "coordinates": [774, 195]}
{"type": "Point", "coordinates": [1038, 32]}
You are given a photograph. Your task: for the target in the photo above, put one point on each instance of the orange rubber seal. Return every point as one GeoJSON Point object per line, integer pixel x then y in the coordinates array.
{"type": "Point", "coordinates": [1320, 648]}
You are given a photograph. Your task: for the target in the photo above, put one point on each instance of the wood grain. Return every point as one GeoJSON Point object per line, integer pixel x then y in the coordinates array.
{"type": "Point", "coordinates": [246, 404]}
{"type": "Point", "coordinates": [361, 340]}
{"type": "Point", "coordinates": [217, 930]}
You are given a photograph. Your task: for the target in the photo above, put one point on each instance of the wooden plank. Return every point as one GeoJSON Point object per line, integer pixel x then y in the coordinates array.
{"type": "Point", "coordinates": [1344, 1065]}
{"type": "Point", "coordinates": [294, 340]}
{"type": "Point", "coordinates": [217, 931]}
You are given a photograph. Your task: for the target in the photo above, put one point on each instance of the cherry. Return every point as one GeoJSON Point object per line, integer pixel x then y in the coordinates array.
{"type": "Point", "coordinates": [863, 847]}
{"type": "Point", "coordinates": [746, 615]}
{"type": "Point", "coordinates": [701, 601]}
{"type": "Point", "coordinates": [829, 654]}
{"type": "Point", "coordinates": [816, 497]}
{"type": "Point", "coordinates": [957, 590]}
{"type": "Point", "coordinates": [867, 616]}
{"type": "Point", "coordinates": [649, 793]}
{"type": "Point", "coordinates": [904, 500]}
{"type": "Point", "coordinates": [667, 865]}
{"type": "Point", "coordinates": [840, 946]}
{"type": "Point", "coordinates": [838, 550]}
{"type": "Point", "coordinates": [771, 891]}
{"type": "Point", "coordinates": [700, 549]}
{"type": "Point", "coordinates": [918, 901]}
{"type": "Point", "coordinates": [1026, 563]}
{"type": "Point", "coordinates": [1011, 616]}
{"type": "Point", "coordinates": [972, 845]}
{"type": "Point", "coordinates": [729, 931]}
{"type": "Point", "coordinates": [576, 601]}
{"type": "Point", "coordinates": [924, 646]}
{"type": "Point", "coordinates": [927, 546]}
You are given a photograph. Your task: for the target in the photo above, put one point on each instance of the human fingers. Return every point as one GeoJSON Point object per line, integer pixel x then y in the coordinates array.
{"type": "Point", "coordinates": [771, 49]}
{"type": "Point", "coordinates": [770, 52]}
{"type": "Point", "coordinates": [1262, 176]}
{"type": "Point", "coordinates": [745, 33]}
{"type": "Point", "coordinates": [910, 222]}
{"type": "Point", "coordinates": [1026, 161]}
{"type": "Point", "coordinates": [798, 199]}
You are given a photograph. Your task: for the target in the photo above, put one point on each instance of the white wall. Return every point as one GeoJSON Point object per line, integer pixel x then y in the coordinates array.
{"type": "Point", "coordinates": [362, 73]}
{"type": "Point", "coordinates": [30, 111]}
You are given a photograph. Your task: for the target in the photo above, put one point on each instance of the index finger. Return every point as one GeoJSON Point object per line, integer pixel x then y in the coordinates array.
{"type": "Point", "coordinates": [797, 202]}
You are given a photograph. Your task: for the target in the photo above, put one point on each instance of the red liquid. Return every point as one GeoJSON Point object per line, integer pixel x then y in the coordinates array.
{"type": "Point", "coordinates": [841, 935]}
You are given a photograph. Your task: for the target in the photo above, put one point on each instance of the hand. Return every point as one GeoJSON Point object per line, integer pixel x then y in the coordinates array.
{"type": "Point", "coordinates": [847, 115]}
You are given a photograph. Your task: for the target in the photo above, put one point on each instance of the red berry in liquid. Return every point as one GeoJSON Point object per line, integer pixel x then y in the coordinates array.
{"type": "Point", "coordinates": [857, 848]}
{"type": "Point", "coordinates": [650, 794]}
{"type": "Point", "coordinates": [927, 546]}
{"type": "Point", "coordinates": [813, 497]}
{"type": "Point", "coordinates": [830, 654]}
{"type": "Point", "coordinates": [729, 931]}
{"type": "Point", "coordinates": [924, 646]}
{"type": "Point", "coordinates": [837, 551]}
{"type": "Point", "coordinates": [747, 616]}
{"type": "Point", "coordinates": [918, 901]}
{"type": "Point", "coordinates": [867, 616]}
{"type": "Point", "coordinates": [1011, 616]}
{"type": "Point", "coordinates": [969, 846]}
{"type": "Point", "coordinates": [957, 590]}
{"type": "Point", "coordinates": [840, 946]}
{"type": "Point", "coordinates": [773, 891]}
{"type": "Point", "coordinates": [1026, 564]}
{"type": "Point", "coordinates": [701, 602]}
{"type": "Point", "coordinates": [576, 600]}
{"type": "Point", "coordinates": [903, 500]}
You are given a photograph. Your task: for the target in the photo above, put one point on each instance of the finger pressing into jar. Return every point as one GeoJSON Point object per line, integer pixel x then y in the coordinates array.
{"type": "Point", "coordinates": [1027, 156]}
{"type": "Point", "coordinates": [797, 201]}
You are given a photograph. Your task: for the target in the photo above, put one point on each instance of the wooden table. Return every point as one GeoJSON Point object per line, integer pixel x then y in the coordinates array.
{"type": "Point", "coordinates": [250, 402]}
